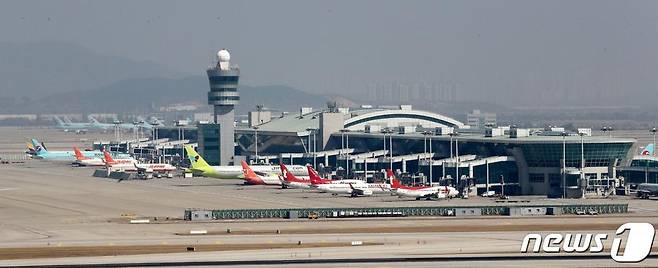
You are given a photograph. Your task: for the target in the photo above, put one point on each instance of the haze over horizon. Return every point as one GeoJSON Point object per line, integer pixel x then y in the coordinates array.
{"type": "Point", "coordinates": [514, 53]}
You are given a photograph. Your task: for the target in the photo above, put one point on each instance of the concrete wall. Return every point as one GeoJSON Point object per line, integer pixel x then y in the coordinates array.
{"type": "Point", "coordinates": [259, 117]}
{"type": "Point", "coordinates": [329, 123]}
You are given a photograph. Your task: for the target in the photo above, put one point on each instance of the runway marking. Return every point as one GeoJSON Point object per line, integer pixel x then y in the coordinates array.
{"type": "Point", "coordinates": [8, 189]}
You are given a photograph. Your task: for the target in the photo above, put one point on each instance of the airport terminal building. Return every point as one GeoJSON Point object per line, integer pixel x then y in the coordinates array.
{"type": "Point", "coordinates": [366, 140]}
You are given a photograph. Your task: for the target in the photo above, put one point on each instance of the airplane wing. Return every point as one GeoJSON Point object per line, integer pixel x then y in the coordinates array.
{"type": "Point", "coordinates": [356, 191]}
{"type": "Point", "coordinates": [141, 169]}
{"type": "Point", "coordinates": [431, 195]}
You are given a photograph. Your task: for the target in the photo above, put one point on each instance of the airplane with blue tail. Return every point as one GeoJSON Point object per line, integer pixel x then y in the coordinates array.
{"type": "Point", "coordinates": [69, 126]}
{"type": "Point", "coordinates": [94, 125]}
{"type": "Point", "coordinates": [124, 126]}
{"type": "Point", "coordinates": [41, 152]}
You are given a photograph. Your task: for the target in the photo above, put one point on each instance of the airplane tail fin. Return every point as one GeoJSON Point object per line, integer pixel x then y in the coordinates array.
{"type": "Point", "coordinates": [389, 174]}
{"type": "Point", "coordinates": [59, 121]}
{"type": "Point", "coordinates": [67, 120]}
{"type": "Point", "coordinates": [30, 148]}
{"type": "Point", "coordinates": [93, 120]}
{"type": "Point", "coordinates": [249, 174]}
{"type": "Point", "coordinates": [649, 150]}
{"type": "Point", "coordinates": [394, 182]}
{"type": "Point", "coordinates": [39, 147]}
{"type": "Point", "coordinates": [315, 178]}
{"type": "Point", "coordinates": [286, 174]}
{"type": "Point", "coordinates": [196, 161]}
{"type": "Point", "coordinates": [78, 154]}
{"type": "Point", "coordinates": [108, 158]}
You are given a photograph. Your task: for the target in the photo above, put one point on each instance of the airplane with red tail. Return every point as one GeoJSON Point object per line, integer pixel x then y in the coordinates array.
{"type": "Point", "coordinates": [418, 192]}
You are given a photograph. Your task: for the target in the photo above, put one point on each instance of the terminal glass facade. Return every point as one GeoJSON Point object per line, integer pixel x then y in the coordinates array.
{"type": "Point", "coordinates": [596, 154]}
{"type": "Point", "coordinates": [209, 145]}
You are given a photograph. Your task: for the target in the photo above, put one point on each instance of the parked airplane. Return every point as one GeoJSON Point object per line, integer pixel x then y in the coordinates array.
{"type": "Point", "coordinates": [290, 180]}
{"type": "Point", "coordinates": [41, 152]}
{"type": "Point", "coordinates": [258, 178]}
{"type": "Point", "coordinates": [82, 160]}
{"type": "Point", "coordinates": [427, 192]}
{"type": "Point", "coordinates": [200, 167]}
{"type": "Point", "coordinates": [352, 187]}
{"type": "Point", "coordinates": [134, 166]}
{"type": "Point", "coordinates": [123, 126]}
{"type": "Point", "coordinates": [69, 126]}
{"type": "Point", "coordinates": [94, 125]}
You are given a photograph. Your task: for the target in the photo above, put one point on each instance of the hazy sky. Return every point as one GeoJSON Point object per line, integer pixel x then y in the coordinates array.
{"type": "Point", "coordinates": [499, 51]}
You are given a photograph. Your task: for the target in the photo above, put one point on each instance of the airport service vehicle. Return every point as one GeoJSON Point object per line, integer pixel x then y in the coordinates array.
{"type": "Point", "coordinates": [258, 178]}
{"type": "Point", "coordinates": [489, 194]}
{"type": "Point", "coordinates": [352, 187]}
{"type": "Point", "coordinates": [137, 167]}
{"type": "Point", "coordinates": [41, 152]}
{"type": "Point", "coordinates": [427, 192]}
{"type": "Point", "coordinates": [646, 190]}
{"type": "Point", "coordinates": [289, 180]}
{"type": "Point", "coordinates": [199, 166]}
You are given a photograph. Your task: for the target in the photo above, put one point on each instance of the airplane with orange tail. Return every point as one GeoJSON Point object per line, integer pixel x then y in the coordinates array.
{"type": "Point", "coordinates": [82, 160]}
{"type": "Point", "coordinates": [259, 178]}
{"type": "Point", "coordinates": [133, 165]}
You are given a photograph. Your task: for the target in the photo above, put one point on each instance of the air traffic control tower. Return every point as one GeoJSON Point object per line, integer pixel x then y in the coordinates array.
{"type": "Point", "coordinates": [223, 96]}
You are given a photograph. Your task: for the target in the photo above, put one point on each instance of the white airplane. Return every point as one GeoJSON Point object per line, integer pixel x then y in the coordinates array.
{"type": "Point", "coordinates": [259, 178]}
{"type": "Point", "coordinates": [352, 187]}
{"type": "Point", "coordinates": [427, 192]}
{"type": "Point", "coordinates": [289, 180]}
{"type": "Point", "coordinates": [82, 160]}
{"type": "Point", "coordinates": [137, 167]}
{"type": "Point", "coordinates": [200, 167]}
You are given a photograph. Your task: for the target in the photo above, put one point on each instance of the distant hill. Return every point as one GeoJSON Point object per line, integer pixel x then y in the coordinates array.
{"type": "Point", "coordinates": [141, 95]}
{"type": "Point", "coordinates": [33, 70]}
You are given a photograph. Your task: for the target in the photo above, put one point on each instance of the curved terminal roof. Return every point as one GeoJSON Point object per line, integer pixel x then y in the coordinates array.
{"type": "Point", "coordinates": [404, 117]}
{"type": "Point", "coordinates": [357, 119]}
